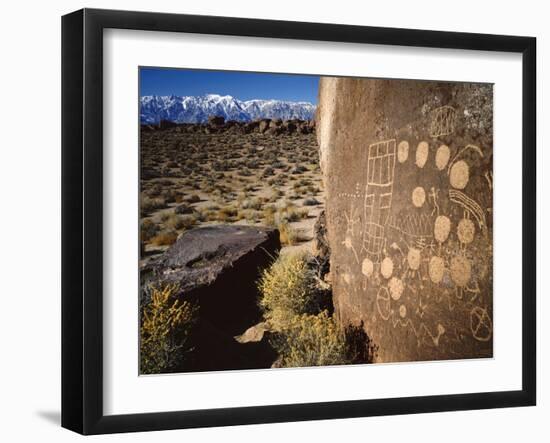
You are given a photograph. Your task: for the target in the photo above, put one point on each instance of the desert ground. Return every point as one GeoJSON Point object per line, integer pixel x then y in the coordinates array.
{"type": "Point", "coordinates": [199, 175]}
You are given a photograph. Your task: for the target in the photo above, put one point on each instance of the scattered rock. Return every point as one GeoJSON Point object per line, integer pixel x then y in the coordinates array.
{"type": "Point", "coordinates": [216, 120]}
{"type": "Point", "coordinates": [217, 124]}
{"type": "Point", "coordinates": [312, 201]}
{"type": "Point", "coordinates": [184, 209]}
{"type": "Point", "coordinates": [263, 125]}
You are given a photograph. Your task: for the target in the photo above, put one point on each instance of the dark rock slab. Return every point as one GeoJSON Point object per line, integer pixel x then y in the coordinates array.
{"type": "Point", "coordinates": [218, 267]}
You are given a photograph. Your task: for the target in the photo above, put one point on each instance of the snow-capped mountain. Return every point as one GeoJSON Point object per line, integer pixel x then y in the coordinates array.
{"type": "Point", "coordinates": [180, 109]}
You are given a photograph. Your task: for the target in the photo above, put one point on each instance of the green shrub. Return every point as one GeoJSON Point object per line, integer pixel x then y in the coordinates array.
{"type": "Point", "coordinates": [288, 288]}
{"type": "Point", "coordinates": [166, 330]}
{"type": "Point", "coordinates": [311, 340]}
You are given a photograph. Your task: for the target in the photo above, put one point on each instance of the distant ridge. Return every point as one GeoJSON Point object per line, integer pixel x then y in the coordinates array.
{"type": "Point", "coordinates": [197, 109]}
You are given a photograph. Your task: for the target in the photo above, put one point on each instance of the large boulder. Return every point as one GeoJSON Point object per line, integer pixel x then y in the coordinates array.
{"type": "Point", "coordinates": [407, 168]}
{"type": "Point", "coordinates": [264, 124]}
{"type": "Point", "coordinates": [218, 268]}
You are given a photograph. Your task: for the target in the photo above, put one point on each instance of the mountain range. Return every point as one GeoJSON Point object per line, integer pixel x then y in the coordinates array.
{"type": "Point", "coordinates": [197, 109]}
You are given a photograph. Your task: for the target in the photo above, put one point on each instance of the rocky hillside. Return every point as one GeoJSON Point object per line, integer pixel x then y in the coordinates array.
{"type": "Point", "coordinates": [191, 109]}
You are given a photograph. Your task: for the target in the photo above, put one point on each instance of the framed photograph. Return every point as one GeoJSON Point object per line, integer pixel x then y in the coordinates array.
{"type": "Point", "coordinates": [270, 221]}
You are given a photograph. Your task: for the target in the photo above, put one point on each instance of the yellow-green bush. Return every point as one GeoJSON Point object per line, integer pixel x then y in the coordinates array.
{"type": "Point", "coordinates": [305, 334]}
{"type": "Point", "coordinates": [318, 340]}
{"type": "Point", "coordinates": [287, 289]}
{"type": "Point", "coordinates": [166, 331]}
{"type": "Point", "coordinates": [311, 340]}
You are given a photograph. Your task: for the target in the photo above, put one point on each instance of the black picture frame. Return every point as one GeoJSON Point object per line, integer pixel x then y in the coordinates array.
{"type": "Point", "coordinates": [82, 218]}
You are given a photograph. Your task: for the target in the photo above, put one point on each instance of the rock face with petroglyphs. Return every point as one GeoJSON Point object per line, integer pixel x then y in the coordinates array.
{"type": "Point", "coordinates": [407, 167]}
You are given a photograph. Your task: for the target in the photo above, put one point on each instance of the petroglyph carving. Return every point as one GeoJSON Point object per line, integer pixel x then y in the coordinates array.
{"type": "Point", "coordinates": [442, 157]}
{"type": "Point", "coordinates": [386, 267]}
{"type": "Point", "coordinates": [422, 152]}
{"type": "Point", "coordinates": [481, 324]}
{"type": "Point", "coordinates": [418, 245]}
{"type": "Point", "coordinates": [459, 174]}
{"type": "Point", "coordinates": [396, 288]}
{"type": "Point", "coordinates": [378, 195]}
{"type": "Point", "coordinates": [443, 121]}
{"type": "Point", "coordinates": [436, 269]}
{"type": "Point", "coordinates": [403, 151]}
{"type": "Point", "coordinates": [367, 267]}
{"type": "Point", "coordinates": [418, 196]}
{"type": "Point", "coordinates": [466, 231]}
{"type": "Point", "coordinates": [442, 228]}
{"type": "Point", "coordinates": [470, 205]}
{"type": "Point", "coordinates": [461, 270]}
{"type": "Point", "coordinates": [383, 303]}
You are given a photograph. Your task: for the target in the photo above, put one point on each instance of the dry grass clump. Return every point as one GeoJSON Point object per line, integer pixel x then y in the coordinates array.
{"type": "Point", "coordinates": [165, 238]}
{"type": "Point", "coordinates": [226, 214]}
{"type": "Point", "coordinates": [147, 230]}
{"type": "Point", "coordinates": [252, 203]}
{"type": "Point", "coordinates": [179, 222]}
{"type": "Point", "coordinates": [194, 198]}
{"type": "Point", "coordinates": [287, 234]}
{"type": "Point", "coordinates": [149, 204]}
{"type": "Point", "coordinates": [166, 331]}
{"type": "Point", "coordinates": [291, 214]}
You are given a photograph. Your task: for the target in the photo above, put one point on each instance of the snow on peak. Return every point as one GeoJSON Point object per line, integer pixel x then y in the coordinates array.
{"type": "Point", "coordinates": [197, 109]}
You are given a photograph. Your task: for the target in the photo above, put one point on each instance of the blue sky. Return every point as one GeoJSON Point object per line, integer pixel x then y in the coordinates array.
{"type": "Point", "coordinates": [241, 85]}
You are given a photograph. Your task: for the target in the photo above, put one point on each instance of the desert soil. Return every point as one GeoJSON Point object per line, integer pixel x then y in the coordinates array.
{"type": "Point", "coordinates": [193, 179]}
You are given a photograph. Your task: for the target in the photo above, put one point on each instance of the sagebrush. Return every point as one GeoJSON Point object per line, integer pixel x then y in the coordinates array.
{"type": "Point", "coordinates": [166, 333]}
{"type": "Point", "coordinates": [311, 340]}
{"type": "Point", "coordinates": [288, 288]}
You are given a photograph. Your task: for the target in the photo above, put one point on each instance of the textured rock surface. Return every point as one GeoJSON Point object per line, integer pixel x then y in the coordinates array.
{"type": "Point", "coordinates": [407, 167]}
{"type": "Point", "coordinates": [218, 266]}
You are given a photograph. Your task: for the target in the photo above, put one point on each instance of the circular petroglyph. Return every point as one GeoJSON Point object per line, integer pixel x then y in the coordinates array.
{"type": "Point", "coordinates": [418, 196]}
{"type": "Point", "coordinates": [459, 175]}
{"type": "Point", "coordinates": [442, 228]}
{"type": "Point", "coordinates": [413, 258]}
{"type": "Point", "coordinates": [396, 288]}
{"type": "Point", "coordinates": [386, 267]}
{"type": "Point", "coordinates": [481, 324]}
{"type": "Point", "coordinates": [466, 230]}
{"type": "Point", "coordinates": [403, 151]}
{"type": "Point", "coordinates": [461, 270]}
{"type": "Point", "coordinates": [442, 157]}
{"type": "Point", "coordinates": [367, 267]}
{"type": "Point", "coordinates": [383, 303]}
{"type": "Point", "coordinates": [403, 311]}
{"type": "Point", "coordinates": [436, 269]}
{"type": "Point", "coordinates": [422, 154]}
